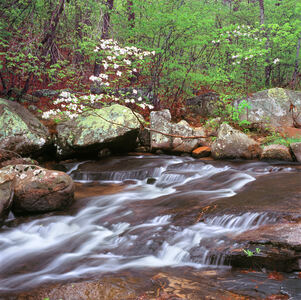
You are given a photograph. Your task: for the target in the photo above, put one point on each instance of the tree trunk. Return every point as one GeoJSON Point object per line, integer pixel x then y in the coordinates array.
{"type": "Point", "coordinates": [131, 14]}
{"type": "Point", "coordinates": [294, 79]}
{"type": "Point", "coordinates": [261, 6]}
{"type": "Point", "coordinates": [268, 67]}
{"type": "Point", "coordinates": [78, 29]}
{"type": "Point", "coordinates": [50, 34]}
{"type": "Point", "coordinates": [104, 31]}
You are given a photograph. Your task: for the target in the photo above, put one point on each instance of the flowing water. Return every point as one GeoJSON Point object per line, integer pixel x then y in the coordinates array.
{"type": "Point", "coordinates": [144, 212]}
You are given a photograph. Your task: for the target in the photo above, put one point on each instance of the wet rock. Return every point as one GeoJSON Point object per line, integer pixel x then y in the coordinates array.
{"type": "Point", "coordinates": [6, 194]}
{"type": "Point", "coordinates": [276, 152]}
{"type": "Point", "coordinates": [201, 152]}
{"type": "Point", "coordinates": [151, 180]}
{"type": "Point", "coordinates": [232, 143]}
{"type": "Point", "coordinates": [274, 247]}
{"type": "Point", "coordinates": [38, 190]}
{"type": "Point", "coordinates": [20, 131]}
{"type": "Point", "coordinates": [161, 121]}
{"type": "Point", "coordinates": [114, 127]}
{"type": "Point", "coordinates": [273, 107]}
{"type": "Point", "coordinates": [296, 149]}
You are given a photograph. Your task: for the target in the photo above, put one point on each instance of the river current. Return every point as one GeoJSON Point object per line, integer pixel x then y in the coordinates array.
{"type": "Point", "coordinates": [154, 213]}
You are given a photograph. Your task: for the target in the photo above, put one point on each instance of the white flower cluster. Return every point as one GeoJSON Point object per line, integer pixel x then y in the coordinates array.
{"type": "Point", "coordinates": [118, 61]}
{"type": "Point", "coordinates": [68, 105]}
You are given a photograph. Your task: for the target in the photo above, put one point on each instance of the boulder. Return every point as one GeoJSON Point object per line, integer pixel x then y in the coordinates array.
{"type": "Point", "coordinates": [276, 152]}
{"type": "Point", "coordinates": [39, 190]}
{"type": "Point", "coordinates": [114, 127]}
{"type": "Point", "coordinates": [160, 121]}
{"type": "Point", "coordinates": [21, 131]}
{"type": "Point", "coordinates": [232, 143]}
{"type": "Point", "coordinates": [204, 104]}
{"type": "Point", "coordinates": [296, 149]}
{"type": "Point", "coordinates": [274, 107]}
{"type": "Point", "coordinates": [6, 194]}
{"type": "Point", "coordinates": [18, 161]}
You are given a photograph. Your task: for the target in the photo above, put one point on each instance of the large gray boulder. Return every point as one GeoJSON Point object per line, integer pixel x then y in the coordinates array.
{"type": "Point", "coordinates": [232, 143]}
{"type": "Point", "coordinates": [273, 107]}
{"type": "Point", "coordinates": [6, 194]}
{"type": "Point", "coordinates": [21, 131]}
{"type": "Point", "coordinates": [276, 152]}
{"type": "Point", "coordinates": [160, 121]}
{"type": "Point", "coordinates": [115, 128]}
{"type": "Point", "coordinates": [38, 190]}
{"type": "Point", "coordinates": [296, 149]}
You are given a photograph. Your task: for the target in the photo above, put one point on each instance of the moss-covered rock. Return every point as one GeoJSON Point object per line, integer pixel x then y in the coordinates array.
{"type": "Point", "coordinates": [21, 131]}
{"type": "Point", "coordinates": [274, 107]}
{"type": "Point", "coordinates": [114, 127]}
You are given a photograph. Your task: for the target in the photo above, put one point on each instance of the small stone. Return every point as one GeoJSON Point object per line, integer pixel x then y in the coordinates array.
{"type": "Point", "coordinates": [151, 180]}
{"type": "Point", "coordinates": [201, 152]}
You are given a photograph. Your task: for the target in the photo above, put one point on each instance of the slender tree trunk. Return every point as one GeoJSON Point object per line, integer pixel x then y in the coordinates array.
{"type": "Point", "coordinates": [268, 67]}
{"type": "Point", "coordinates": [294, 79]}
{"type": "Point", "coordinates": [261, 6]}
{"type": "Point", "coordinates": [131, 14]}
{"type": "Point", "coordinates": [78, 29]}
{"type": "Point", "coordinates": [50, 34]}
{"type": "Point", "coordinates": [105, 31]}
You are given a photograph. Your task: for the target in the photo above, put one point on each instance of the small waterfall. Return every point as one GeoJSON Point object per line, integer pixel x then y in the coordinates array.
{"type": "Point", "coordinates": [136, 227]}
{"type": "Point", "coordinates": [240, 223]}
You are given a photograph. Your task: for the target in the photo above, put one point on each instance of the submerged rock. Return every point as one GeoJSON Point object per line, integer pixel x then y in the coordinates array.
{"type": "Point", "coordinates": [39, 190]}
{"type": "Point", "coordinates": [161, 121]}
{"type": "Point", "coordinates": [21, 131]}
{"type": "Point", "coordinates": [6, 194]}
{"type": "Point", "coordinates": [114, 127]}
{"type": "Point", "coordinates": [276, 152]}
{"type": "Point", "coordinates": [274, 107]}
{"type": "Point", "coordinates": [232, 143]}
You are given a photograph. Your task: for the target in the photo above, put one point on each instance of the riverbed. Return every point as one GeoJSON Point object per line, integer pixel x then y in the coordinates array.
{"type": "Point", "coordinates": [145, 227]}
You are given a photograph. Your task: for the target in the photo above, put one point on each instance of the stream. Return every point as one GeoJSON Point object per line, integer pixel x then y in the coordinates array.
{"type": "Point", "coordinates": [140, 221]}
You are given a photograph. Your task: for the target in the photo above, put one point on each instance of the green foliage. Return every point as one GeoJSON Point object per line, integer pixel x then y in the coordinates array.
{"type": "Point", "coordinates": [219, 45]}
{"type": "Point", "coordinates": [250, 253]}
{"type": "Point", "coordinates": [277, 138]}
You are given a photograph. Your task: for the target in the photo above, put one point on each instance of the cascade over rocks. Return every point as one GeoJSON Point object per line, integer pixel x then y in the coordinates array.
{"type": "Point", "coordinates": [232, 143]}
{"type": "Point", "coordinates": [21, 131]}
{"type": "Point", "coordinates": [274, 107]}
{"type": "Point", "coordinates": [114, 127]}
{"type": "Point", "coordinates": [6, 194]}
{"type": "Point", "coordinates": [276, 152]}
{"type": "Point", "coordinates": [38, 190]}
{"type": "Point", "coordinates": [161, 121]}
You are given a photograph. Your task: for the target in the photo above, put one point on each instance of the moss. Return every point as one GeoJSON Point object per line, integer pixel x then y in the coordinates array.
{"type": "Point", "coordinates": [278, 93]}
